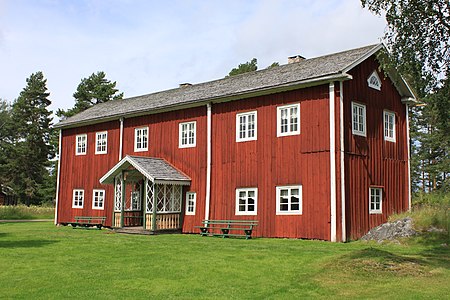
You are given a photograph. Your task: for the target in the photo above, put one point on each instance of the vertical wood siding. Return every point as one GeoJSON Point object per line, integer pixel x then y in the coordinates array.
{"type": "Point", "coordinates": [84, 171]}
{"type": "Point", "coordinates": [372, 161]}
{"type": "Point", "coordinates": [272, 161]}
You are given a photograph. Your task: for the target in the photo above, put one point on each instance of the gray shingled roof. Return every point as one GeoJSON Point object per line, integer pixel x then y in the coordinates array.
{"type": "Point", "coordinates": [331, 67]}
{"type": "Point", "coordinates": [155, 169]}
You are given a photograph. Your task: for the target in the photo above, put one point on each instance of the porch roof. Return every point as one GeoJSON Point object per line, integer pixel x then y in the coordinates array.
{"type": "Point", "coordinates": [156, 170]}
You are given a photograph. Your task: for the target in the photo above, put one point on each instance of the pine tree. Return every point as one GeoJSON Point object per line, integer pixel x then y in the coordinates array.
{"type": "Point", "coordinates": [32, 151]}
{"type": "Point", "coordinates": [249, 66]}
{"type": "Point", "coordinates": [91, 91]}
{"type": "Point", "coordinates": [6, 142]}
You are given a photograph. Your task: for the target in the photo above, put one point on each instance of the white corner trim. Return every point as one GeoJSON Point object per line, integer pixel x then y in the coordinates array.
{"type": "Point", "coordinates": [58, 177]}
{"type": "Point", "coordinates": [208, 160]}
{"type": "Point", "coordinates": [409, 157]}
{"type": "Point", "coordinates": [342, 153]}
{"type": "Point", "coordinates": [121, 139]}
{"type": "Point", "coordinates": [332, 167]}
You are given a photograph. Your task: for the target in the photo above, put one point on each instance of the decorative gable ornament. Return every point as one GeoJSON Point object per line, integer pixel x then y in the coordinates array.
{"type": "Point", "coordinates": [374, 81]}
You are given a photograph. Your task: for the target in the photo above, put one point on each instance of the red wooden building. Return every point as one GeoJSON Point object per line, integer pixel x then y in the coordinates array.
{"type": "Point", "coordinates": [317, 148]}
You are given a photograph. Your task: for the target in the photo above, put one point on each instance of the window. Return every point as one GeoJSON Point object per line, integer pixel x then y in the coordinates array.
{"type": "Point", "coordinates": [289, 200]}
{"type": "Point", "coordinates": [141, 139]}
{"type": "Point", "coordinates": [288, 120]}
{"type": "Point", "coordinates": [190, 203]}
{"type": "Point", "coordinates": [81, 144]}
{"type": "Point", "coordinates": [101, 142]}
{"type": "Point", "coordinates": [187, 134]}
{"type": "Point", "coordinates": [374, 81]}
{"type": "Point", "coordinates": [78, 199]}
{"type": "Point", "coordinates": [375, 198]}
{"type": "Point", "coordinates": [246, 126]}
{"type": "Point", "coordinates": [359, 119]}
{"type": "Point", "coordinates": [98, 199]}
{"type": "Point", "coordinates": [389, 126]}
{"type": "Point", "coordinates": [246, 201]}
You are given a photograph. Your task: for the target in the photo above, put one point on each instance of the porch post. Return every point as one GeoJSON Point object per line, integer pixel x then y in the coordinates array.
{"type": "Point", "coordinates": [155, 196]}
{"type": "Point", "coordinates": [144, 203]}
{"type": "Point", "coordinates": [123, 200]}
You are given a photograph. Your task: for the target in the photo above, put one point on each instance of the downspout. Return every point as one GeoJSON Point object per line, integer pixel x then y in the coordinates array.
{"type": "Point", "coordinates": [342, 153]}
{"type": "Point", "coordinates": [208, 160]}
{"type": "Point", "coordinates": [121, 139]}
{"type": "Point", "coordinates": [58, 177]}
{"type": "Point", "coordinates": [409, 157]}
{"type": "Point", "coordinates": [332, 166]}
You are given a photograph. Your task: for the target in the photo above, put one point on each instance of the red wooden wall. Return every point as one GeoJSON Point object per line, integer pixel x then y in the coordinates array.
{"type": "Point", "coordinates": [272, 161]}
{"type": "Point", "coordinates": [84, 171]}
{"type": "Point", "coordinates": [372, 161]}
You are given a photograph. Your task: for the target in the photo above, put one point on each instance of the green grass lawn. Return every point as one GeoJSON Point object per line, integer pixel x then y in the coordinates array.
{"type": "Point", "coordinates": [23, 212]}
{"type": "Point", "coordinates": [41, 261]}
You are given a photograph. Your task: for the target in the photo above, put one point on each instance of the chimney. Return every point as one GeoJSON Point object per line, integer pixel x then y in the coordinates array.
{"type": "Point", "coordinates": [295, 59]}
{"type": "Point", "coordinates": [186, 84]}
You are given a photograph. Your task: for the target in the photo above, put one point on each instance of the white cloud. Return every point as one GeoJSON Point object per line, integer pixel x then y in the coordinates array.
{"type": "Point", "coordinates": [148, 46]}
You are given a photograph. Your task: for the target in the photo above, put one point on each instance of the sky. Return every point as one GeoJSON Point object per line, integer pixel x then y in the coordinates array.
{"type": "Point", "coordinates": [152, 45]}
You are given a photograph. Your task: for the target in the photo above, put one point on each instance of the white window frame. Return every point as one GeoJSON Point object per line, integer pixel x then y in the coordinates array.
{"type": "Point", "coordinates": [136, 131]}
{"type": "Point", "coordinates": [246, 212]}
{"type": "Point", "coordinates": [358, 131]}
{"type": "Point", "coordinates": [77, 193]}
{"type": "Point", "coordinates": [101, 140]}
{"type": "Point", "coordinates": [187, 130]}
{"type": "Point", "coordinates": [377, 84]}
{"type": "Point", "coordinates": [289, 118]}
{"type": "Point", "coordinates": [98, 197]}
{"type": "Point", "coordinates": [372, 196]}
{"type": "Point", "coordinates": [191, 196]}
{"type": "Point", "coordinates": [246, 131]}
{"type": "Point", "coordinates": [387, 131]}
{"type": "Point", "coordinates": [289, 196]}
{"type": "Point", "coordinates": [79, 139]}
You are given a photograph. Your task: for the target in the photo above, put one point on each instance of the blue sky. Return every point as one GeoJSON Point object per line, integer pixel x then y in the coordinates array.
{"type": "Point", "coordinates": [148, 46]}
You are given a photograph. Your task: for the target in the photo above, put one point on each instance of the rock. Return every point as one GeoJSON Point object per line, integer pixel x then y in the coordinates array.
{"type": "Point", "coordinates": [391, 231]}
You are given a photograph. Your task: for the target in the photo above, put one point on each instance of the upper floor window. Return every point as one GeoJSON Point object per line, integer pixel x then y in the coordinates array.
{"type": "Point", "coordinates": [81, 144]}
{"type": "Point", "coordinates": [358, 119]}
{"type": "Point", "coordinates": [141, 139]}
{"type": "Point", "coordinates": [375, 200]}
{"type": "Point", "coordinates": [289, 200]}
{"type": "Point", "coordinates": [374, 81]}
{"type": "Point", "coordinates": [98, 199]}
{"type": "Point", "coordinates": [288, 120]}
{"type": "Point", "coordinates": [190, 203]}
{"type": "Point", "coordinates": [246, 126]}
{"type": "Point", "coordinates": [78, 198]}
{"type": "Point", "coordinates": [187, 134]}
{"type": "Point", "coordinates": [246, 201]}
{"type": "Point", "coordinates": [389, 126]}
{"type": "Point", "coordinates": [101, 142]}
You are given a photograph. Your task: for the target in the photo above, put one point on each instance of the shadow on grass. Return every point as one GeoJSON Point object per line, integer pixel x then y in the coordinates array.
{"type": "Point", "coordinates": [438, 248]}
{"type": "Point", "coordinates": [3, 234]}
{"type": "Point", "coordinates": [26, 244]}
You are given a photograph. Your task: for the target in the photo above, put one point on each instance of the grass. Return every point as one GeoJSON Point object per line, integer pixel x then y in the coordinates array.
{"type": "Point", "coordinates": [23, 212]}
{"type": "Point", "coordinates": [41, 261]}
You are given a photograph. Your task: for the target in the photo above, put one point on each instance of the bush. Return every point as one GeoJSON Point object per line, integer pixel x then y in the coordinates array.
{"type": "Point", "coordinates": [22, 212]}
{"type": "Point", "coordinates": [429, 210]}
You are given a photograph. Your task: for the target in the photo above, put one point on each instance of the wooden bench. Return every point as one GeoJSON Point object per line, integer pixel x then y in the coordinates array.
{"type": "Point", "coordinates": [224, 227]}
{"type": "Point", "coordinates": [86, 222]}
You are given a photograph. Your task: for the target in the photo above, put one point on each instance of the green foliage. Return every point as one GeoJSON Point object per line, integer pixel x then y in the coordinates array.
{"type": "Point", "coordinates": [249, 66]}
{"type": "Point", "coordinates": [31, 151]}
{"type": "Point", "coordinates": [91, 91]}
{"type": "Point", "coordinates": [273, 65]}
{"type": "Point", "coordinates": [89, 264]}
{"type": "Point", "coordinates": [418, 31]}
{"type": "Point", "coordinates": [6, 142]}
{"type": "Point", "coordinates": [22, 212]}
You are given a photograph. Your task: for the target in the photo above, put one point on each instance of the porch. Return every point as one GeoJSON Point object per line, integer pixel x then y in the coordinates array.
{"type": "Point", "coordinates": [148, 195]}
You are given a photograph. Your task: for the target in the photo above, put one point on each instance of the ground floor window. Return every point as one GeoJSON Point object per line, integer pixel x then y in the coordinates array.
{"type": "Point", "coordinates": [289, 200]}
{"type": "Point", "coordinates": [246, 201]}
{"type": "Point", "coordinates": [375, 200]}
{"type": "Point", "coordinates": [98, 199]}
{"type": "Point", "coordinates": [190, 203]}
{"type": "Point", "coordinates": [78, 198]}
